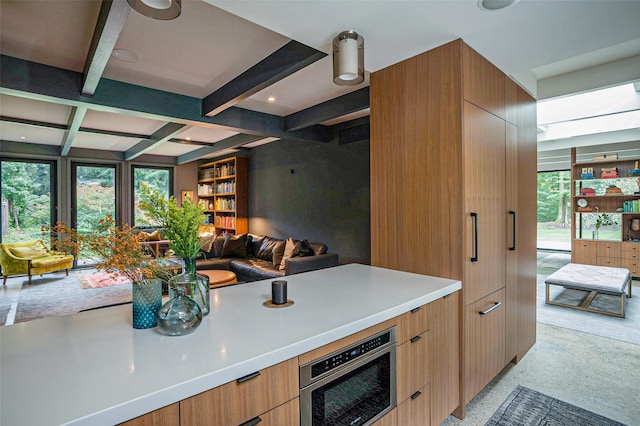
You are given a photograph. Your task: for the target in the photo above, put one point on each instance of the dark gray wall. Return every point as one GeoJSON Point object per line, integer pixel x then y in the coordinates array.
{"type": "Point", "coordinates": [314, 191]}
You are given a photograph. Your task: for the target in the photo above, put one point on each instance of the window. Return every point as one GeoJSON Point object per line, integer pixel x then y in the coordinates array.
{"type": "Point", "coordinates": [28, 202]}
{"type": "Point", "coordinates": [554, 210]}
{"type": "Point", "coordinates": [159, 179]}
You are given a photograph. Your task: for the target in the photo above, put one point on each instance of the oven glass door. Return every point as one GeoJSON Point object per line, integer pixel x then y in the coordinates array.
{"type": "Point", "coordinates": [355, 397]}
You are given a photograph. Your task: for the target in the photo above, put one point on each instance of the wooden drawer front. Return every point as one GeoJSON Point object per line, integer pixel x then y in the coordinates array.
{"type": "Point", "coordinates": [166, 416]}
{"type": "Point", "coordinates": [412, 323]}
{"type": "Point", "coordinates": [632, 265]}
{"type": "Point", "coordinates": [389, 419]}
{"type": "Point", "coordinates": [583, 252]}
{"type": "Point", "coordinates": [631, 255]}
{"type": "Point", "coordinates": [609, 249]}
{"type": "Point", "coordinates": [235, 403]}
{"type": "Point", "coordinates": [415, 410]}
{"type": "Point", "coordinates": [613, 262]}
{"type": "Point", "coordinates": [484, 342]}
{"type": "Point", "coordinates": [412, 365]}
{"type": "Point", "coordinates": [286, 414]}
{"type": "Point", "coordinates": [633, 247]}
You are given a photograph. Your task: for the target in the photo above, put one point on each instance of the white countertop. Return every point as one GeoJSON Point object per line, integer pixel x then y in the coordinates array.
{"type": "Point", "coordinates": [95, 368]}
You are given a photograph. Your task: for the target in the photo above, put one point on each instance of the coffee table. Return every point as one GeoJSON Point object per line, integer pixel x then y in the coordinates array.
{"type": "Point", "coordinates": [219, 277]}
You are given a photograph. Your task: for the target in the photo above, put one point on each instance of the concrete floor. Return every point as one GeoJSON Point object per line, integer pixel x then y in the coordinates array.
{"type": "Point", "coordinates": [595, 373]}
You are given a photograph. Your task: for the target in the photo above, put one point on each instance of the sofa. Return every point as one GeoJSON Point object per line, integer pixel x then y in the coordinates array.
{"type": "Point", "coordinates": [31, 258]}
{"type": "Point", "coordinates": [257, 257]}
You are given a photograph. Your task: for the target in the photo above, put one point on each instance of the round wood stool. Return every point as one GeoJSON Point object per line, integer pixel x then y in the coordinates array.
{"type": "Point", "coordinates": [219, 277]}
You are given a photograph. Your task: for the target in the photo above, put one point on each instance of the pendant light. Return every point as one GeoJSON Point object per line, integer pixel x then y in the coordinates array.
{"type": "Point", "coordinates": [348, 59]}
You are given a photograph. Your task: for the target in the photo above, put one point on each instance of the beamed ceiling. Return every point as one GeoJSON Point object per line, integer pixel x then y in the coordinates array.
{"type": "Point", "coordinates": [200, 84]}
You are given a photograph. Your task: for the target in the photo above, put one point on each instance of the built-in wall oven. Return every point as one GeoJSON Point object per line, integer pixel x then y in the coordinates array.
{"type": "Point", "coordinates": [353, 386]}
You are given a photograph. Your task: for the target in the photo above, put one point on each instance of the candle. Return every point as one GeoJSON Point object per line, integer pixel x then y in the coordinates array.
{"type": "Point", "coordinates": [279, 292]}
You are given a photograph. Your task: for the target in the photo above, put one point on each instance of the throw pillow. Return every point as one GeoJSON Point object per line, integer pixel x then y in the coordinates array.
{"type": "Point", "coordinates": [31, 252]}
{"type": "Point", "coordinates": [235, 246]}
{"type": "Point", "coordinates": [289, 248]}
{"type": "Point", "coordinates": [206, 240]}
{"type": "Point", "coordinates": [278, 252]}
{"type": "Point", "coordinates": [303, 249]}
{"type": "Point", "coordinates": [216, 247]}
{"type": "Point", "coordinates": [266, 249]}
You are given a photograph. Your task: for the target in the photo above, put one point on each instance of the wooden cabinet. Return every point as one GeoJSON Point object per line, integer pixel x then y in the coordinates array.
{"type": "Point", "coordinates": [223, 185]}
{"type": "Point", "coordinates": [602, 188]}
{"type": "Point", "coordinates": [242, 400]}
{"type": "Point", "coordinates": [389, 419]}
{"type": "Point", "coordinates": [414, 411]}
{"type": "Point", "coordinates": [413, 323]}
{"type": "Point", "coordinates": [166, 416]}
{"type": "Point", "coordinates": [413, 365]}
{"type": "Point", "coordinates": [453, 153]}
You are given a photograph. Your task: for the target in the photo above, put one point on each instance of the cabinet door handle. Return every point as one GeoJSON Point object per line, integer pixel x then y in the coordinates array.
{"type": "Point", "coordinates": [486, 311]}
{"type": "Point", "coordinates": [414, 310]}
{"type": "Point", "coordinates": [253, 421]}
{"type": "Point", "coordinates": [474, 258]}
{"type": "Point", "coordinates": [415, 395]}
{"type": "Point", "coordinates": [248, 377]}
{"type": "Point", "coordinates": [513, 246]}
{"type": "Point", "coordinates": [415, 339]}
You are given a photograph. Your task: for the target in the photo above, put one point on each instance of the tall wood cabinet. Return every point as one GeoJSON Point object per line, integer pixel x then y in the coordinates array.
{"type": "Point", "coordinates": [453, 194]}
{"type": "Point", "coordinates": [223, 185]}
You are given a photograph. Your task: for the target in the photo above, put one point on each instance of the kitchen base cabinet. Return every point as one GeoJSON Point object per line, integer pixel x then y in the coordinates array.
{"type": "Point", "coordinates": [415, 410]}
{"type": "Point", "coordinates": [484, 332]}
{"type": "Point", "coordinates": [166, 416]}
{"type": "Point", "coordinates": [389, 419]}
{"type": "Point", "coordinates": [237, 402]}
{"type": "Point", "coordinates": [412, 365]}
{"type": "Point", "coordinates": [286, 414]}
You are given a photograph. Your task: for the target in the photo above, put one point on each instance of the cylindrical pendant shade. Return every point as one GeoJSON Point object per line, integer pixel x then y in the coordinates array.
{"type": "Point", "coordinates": [157, 9]}
{"type": "Point", "coordinates": [348, 59]}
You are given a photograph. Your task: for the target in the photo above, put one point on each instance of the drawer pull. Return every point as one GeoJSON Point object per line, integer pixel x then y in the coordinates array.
{"type": "Point", "coordinates": [415, 339]}
{"type": "Point", "coordinates": [414, 310]}
{"type": "Point", "coordinates": [253, 421]}
{"type": "Point", "coordinates": [415, 395]}
{"type": "Point", "coordinates": [486, 311]}
{"type": "Point", "coordinates": [248, 377]}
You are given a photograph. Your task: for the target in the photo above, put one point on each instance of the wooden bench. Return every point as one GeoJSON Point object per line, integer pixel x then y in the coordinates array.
{"type": "Point", "coordinates": [593, 279]}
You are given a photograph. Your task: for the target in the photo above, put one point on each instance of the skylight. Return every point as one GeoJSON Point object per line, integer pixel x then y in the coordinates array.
{"type": "Point", "coordinates": [601, 111]}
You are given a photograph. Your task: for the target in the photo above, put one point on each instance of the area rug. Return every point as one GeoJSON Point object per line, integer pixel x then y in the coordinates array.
{"type": "Point", "coordinates": [526, 407]}
{"type": "Point", "coordinates": [101, 279]}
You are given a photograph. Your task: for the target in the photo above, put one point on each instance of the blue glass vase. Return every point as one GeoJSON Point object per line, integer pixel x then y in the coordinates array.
{"type": "Point", "coordinates": [146, 297]}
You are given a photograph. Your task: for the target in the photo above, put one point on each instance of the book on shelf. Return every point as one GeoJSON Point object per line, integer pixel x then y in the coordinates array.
{"type": "Point", "coordinates": [586, 176]}
{"type": "Point", "coordinates": [631, 206]}
{"type": "Point", "coordinates": [587, 192]}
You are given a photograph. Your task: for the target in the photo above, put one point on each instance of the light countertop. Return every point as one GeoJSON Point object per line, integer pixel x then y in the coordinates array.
{"type": "Point", "coordinates": [95, 368]}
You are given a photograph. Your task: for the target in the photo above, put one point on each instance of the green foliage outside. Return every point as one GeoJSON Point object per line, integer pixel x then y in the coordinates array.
{"type": "Point", "coordinates": [554, 209]}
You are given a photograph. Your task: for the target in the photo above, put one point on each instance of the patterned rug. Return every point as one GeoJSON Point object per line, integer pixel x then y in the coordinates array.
{"type": "Point", "coordinates": [526, 407]}
{"type": "Point", "coordinates": [101, 279]}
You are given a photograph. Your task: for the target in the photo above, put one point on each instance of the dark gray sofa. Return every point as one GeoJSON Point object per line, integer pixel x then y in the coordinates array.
{"type": "Point", "coordinates": [251, 257]}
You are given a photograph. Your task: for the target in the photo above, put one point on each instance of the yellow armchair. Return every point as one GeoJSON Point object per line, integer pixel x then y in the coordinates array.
{"type": "Point", "coordinates": [31, 258]}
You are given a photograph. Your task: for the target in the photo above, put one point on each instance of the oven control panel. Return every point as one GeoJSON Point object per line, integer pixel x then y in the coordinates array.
{"type": "Point", "coordinates": [338, 359]}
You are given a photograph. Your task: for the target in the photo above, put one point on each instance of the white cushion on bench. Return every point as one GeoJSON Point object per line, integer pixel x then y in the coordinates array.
{"type": "Point", "coordinates": [589, 277]}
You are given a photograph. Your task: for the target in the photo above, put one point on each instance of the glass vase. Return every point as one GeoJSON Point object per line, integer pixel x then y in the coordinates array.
{"type": "Point", "coordinates": [196, 285]}
{"type": "Point", "coordinates": [146, 297]}
{"type": "Point", "coordinates": [180, 315]}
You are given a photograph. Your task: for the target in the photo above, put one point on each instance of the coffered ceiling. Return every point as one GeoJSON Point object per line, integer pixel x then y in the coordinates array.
{"type": "Point", "coordinates": [199, 86]}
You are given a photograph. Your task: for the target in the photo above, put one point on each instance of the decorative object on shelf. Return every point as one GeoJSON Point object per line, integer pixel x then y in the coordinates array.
{"type": "Point", "coordinates": [348, 59]}
{"type": "Point", "coordinates": [613, 190]}
{"type": "Point", "coordinates": [609, 172]}
{"type": "Point", "coordinates": [583, 205]}
{"type": "Point", "coordinates": [180, 315]}
{"type": "Point", "coordinates": [587, 192]}
{"type": "Point", "coordinates": [635, 225]}
{"type": "Point", "coordinates": [634, 172]}
{"type": "Point", "coordinates": [605, 157]}
{"type": "Point", "coordinates": [146, 298]}
{"type": "Point", "coordinates": [187, 194]}
{"type": "Point", "coordinates": [638, 191]}
{"type": "Point", "coordinates": [582, 202]}
{"type": "Point", "coordinates": [587, 173]}
{"type": "Point", "coordinates": [603, 219]}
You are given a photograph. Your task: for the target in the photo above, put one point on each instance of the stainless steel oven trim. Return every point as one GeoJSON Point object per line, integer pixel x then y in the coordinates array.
{"type": "Point", "coordinates": [305, 369]}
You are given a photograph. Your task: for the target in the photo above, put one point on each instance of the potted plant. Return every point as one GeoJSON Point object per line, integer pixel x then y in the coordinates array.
{"type": "Point", "coordinates": [118, 252]}
{"type": "Point", "coordinates": [180, 225]}
{"type": "Point", "coordinates": [604, 219]}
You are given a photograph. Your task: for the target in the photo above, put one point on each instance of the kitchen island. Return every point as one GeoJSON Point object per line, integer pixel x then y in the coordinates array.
{"type": "Point", "coordinates": [93, 368]}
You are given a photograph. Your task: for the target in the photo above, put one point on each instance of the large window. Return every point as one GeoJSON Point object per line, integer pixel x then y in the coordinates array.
{"type": "Point", "coordinates": [27, 199]}
{"type": "Point", "coordinates": [554, 210]}
{"type": "Point", "coordinates": [94, 197]}
{"type": "Point", "coordinates": [159, 179]}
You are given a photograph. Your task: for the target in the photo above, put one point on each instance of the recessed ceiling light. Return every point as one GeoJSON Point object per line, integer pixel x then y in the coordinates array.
{"type": "Point", "coordinates": [271, 98]}
{"type": "Point", "coordinates": [491, 5]}
{"type": "Point", "coordinates": [125, 55]}
{"type": "Point", "coordinates": [188, 138]}
{"type": "Point", "coordinates": [23, 138]}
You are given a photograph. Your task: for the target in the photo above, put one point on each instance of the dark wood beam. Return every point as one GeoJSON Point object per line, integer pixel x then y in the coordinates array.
{"type": "Point", "coordinates": [75, 119]}
{"type": "Point", "coordinates": [354, 134]}
{"type": "Point", "coordinates": [285, 61]}
{"type": "Point", "coordinates": [159, 137]}
{"type": "Point", "coordinates": [333, 108]}
{"type": "Point", "coordinates": [234, 141]}
{"type": "Point", "coordinates": [33, 123]}
{"type": "Point", "coordinates": [42, 82]}
{"type": "Point", "coordinates": [111, 20]}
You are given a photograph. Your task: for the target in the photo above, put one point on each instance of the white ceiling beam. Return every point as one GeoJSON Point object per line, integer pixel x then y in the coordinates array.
{"type": "Point", "coordinates": [620, 136]}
